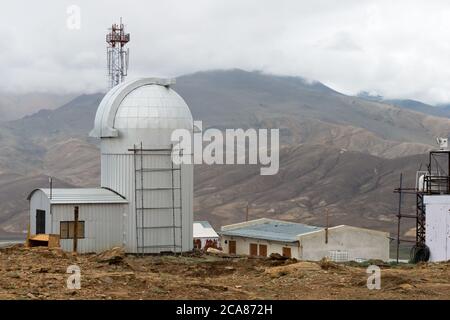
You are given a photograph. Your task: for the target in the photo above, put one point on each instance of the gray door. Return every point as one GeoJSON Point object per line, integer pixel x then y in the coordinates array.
{"type": "Point", "coordinates": [40, 221]}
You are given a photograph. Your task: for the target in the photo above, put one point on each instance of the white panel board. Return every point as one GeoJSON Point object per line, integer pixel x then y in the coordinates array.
{"type": "Point", "coordinates": [448, 235]}
{"type": "Point", "coordinates": [437, 227]}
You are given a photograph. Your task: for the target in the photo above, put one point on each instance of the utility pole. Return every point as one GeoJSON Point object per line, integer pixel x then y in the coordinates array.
{"type": "Point", "coordinates": [50, 181]}
{"type": "Point", "coordinates": [75, 229]}
{"type": "Point", "coordinates": [327, 225]}
{"type": "Point", "coordinates": [246, 214]}
{"type": "Point", "coordinates": [399, 215]}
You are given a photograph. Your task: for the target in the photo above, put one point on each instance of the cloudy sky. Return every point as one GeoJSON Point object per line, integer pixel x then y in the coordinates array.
{"type": "Point", "coordinates": [399, 49]}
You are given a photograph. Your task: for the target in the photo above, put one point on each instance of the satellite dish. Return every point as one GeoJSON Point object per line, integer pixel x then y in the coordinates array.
{"type": "Point", "coordinates": [443, 143]}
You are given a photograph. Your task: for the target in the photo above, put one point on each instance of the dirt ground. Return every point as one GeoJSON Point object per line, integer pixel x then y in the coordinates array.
{"type": "Point", "coordinates": [40, 273]}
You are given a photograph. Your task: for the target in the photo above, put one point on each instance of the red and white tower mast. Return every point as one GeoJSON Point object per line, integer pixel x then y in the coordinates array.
{"type": "Point", "coordinates": [117, 55]}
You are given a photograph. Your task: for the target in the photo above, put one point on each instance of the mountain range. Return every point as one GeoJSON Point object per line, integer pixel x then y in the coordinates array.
{"type": "Point", "coordinates": [15, 105]}
{"type": "Point", "coordinates": [440, 110]}
{"type": "Point", "coordinates": [340, 154]}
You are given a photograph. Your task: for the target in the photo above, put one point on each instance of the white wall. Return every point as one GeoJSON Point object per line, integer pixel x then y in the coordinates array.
{"type": "Point", "coordinates": [117, 173]}
{"type": "Point", "coordinates": [243, 246]}
{"type": "Point", "coordinates": [39, 201]}
{"type": "Point", "coordinates": [437, 235]}
{"type": "Point", "coordinates": [358, 242]}
{"type": "Point", "coordinates": [103, 225]}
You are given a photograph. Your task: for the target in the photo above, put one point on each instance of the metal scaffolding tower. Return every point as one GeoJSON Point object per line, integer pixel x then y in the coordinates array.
{"type": "Point", "coordinates": [145, 209]}
{"type": "Point", "coordinates": [434, 181]}
{"type": "Point", "coordinates": [117, 56]}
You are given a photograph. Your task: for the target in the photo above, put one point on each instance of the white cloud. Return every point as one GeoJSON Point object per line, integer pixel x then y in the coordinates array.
{"type": "Point", "coordinates": [399, 49]}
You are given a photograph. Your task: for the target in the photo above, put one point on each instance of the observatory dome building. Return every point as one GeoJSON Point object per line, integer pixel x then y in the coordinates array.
{"type": "Point", "coordinates": [134, 122]}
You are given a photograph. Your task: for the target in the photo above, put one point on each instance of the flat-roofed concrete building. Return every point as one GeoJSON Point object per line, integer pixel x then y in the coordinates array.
{"type": "Point", "coordinates": [263, 237]}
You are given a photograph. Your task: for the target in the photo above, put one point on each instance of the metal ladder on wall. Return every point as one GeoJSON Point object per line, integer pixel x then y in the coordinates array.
{"type": "Point", "coordinates": [141, 211]}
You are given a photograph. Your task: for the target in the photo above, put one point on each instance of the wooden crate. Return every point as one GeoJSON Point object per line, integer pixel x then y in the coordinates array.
{"type": "Point", "coordinates": [43, 240]}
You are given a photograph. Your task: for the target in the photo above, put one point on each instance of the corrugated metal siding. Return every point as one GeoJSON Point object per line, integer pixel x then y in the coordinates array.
{"type": "Point", "coordinates": [187, 172]}
{"type": "Point", "coordinates": [118, 173]}
{"type": "Point", "coordinates": [40, 201]}
{"type": "Point", "coordinates": [103, 222]}
{"type": "Point", "coordinates": [81, 195]}
{"type": "Point", "coordinates": [103, 225]}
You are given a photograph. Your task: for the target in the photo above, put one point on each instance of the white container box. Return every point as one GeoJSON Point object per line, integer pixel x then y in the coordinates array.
{"type": "Point", "coordinates": [437, 226]}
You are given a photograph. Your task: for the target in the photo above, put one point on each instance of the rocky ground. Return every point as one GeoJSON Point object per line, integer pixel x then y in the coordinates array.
{"type": "Point", "coordinates": [40, 273]}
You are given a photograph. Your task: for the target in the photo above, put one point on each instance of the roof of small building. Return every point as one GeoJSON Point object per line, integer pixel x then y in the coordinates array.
{"type": "Point", "coordinates": [81, 195]}
{"type": "Point", "coordinates": [203, 229]}
{"type": "Point", "coordinates": [269, 229]}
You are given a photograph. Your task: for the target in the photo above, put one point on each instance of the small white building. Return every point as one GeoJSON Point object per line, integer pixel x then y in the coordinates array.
{"type": "Point", "coordinates": [205, 235]}
{"type": "Point", "coordinates": [437, 226]}
{"type": "Point", "coordinates": [263, 237]}
{"type": "Point", "coordinates": [101, 217]}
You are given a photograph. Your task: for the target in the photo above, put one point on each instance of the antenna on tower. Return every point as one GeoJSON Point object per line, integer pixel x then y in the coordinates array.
{"type": "Point", "coordinates": [117, 55]}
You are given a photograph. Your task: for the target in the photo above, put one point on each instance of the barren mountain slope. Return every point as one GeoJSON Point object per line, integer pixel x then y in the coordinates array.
{"type": "Point", "coordinates": [14, 190]}
{"type": "Point", "coordinates": [356, 188]}
{"type": "Point", "coordinates": [339, 152]}
{"type": "Point", "coordinates": [15, 105]}
{"type": "Point", "coordinates": [236, 98]}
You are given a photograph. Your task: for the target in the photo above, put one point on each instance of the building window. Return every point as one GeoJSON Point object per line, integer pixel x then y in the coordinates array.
{"type": "Point", "coordinates": [67, 229]}
{"type": "Point", "coordinates": [263, 250]}
{"type": "Point", "coordinates": [286, 252]}
{"type": "Point", "coordinates": [253, 249]}
{"type": "Point", "coordinates": [232, 247]}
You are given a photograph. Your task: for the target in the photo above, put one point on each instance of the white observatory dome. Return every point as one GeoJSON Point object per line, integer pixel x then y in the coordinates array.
{"type": "Point", "coordinates": [144, 110]}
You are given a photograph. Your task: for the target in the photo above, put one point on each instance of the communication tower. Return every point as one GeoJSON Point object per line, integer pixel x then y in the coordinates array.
{"type": "Point", "coordinates": [117, 55]}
